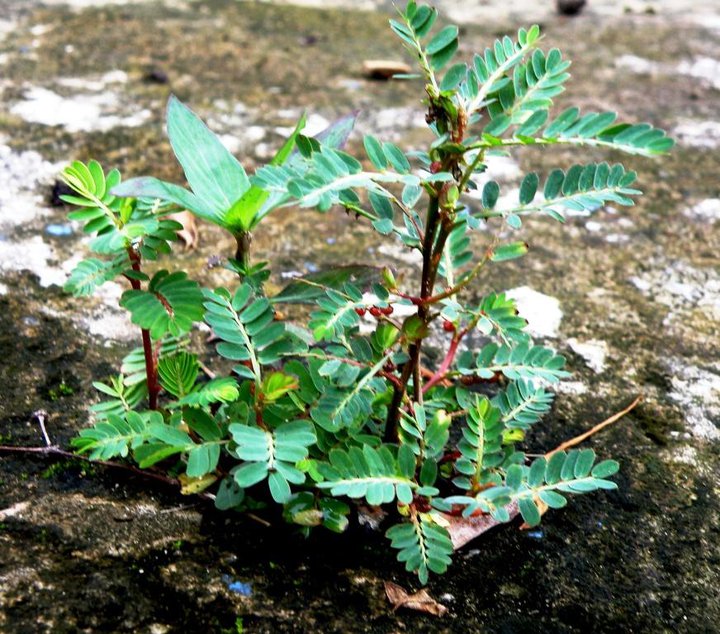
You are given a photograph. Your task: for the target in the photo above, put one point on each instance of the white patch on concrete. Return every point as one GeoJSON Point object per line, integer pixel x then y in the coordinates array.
{"type": "Point", "coordinates": [697, 392]}
{"type": "Point", "coordinates": [593, 227]}
{"type": "Point", "coordinates": [574, 388]}
{"type": "Point", "coordinates": [593, 352]}
{"type": "Point", "coordinates": [3, 289]}
{"type": "Point", "coordinates": [687, 454]}
{"type": "Point", "coordinates": [232, 143]}
{"type": "Point", "coordinates": [705, 68]}
{"type": "Point", "coordinates": [314, 125]}
{"type": "Point", "coordinates": [617, 238]}
{"type": "Point", "coordinates": [710, 20]}
{"type": "Point", "coordinates": [95, 85]}
{"type": "Point", "coordinates": [105, 319]}
{"type": "Point", "coordinates": [542, 312]}
{"type": "Point", "coordinates": [400, 252]}
{"type": "Point", "coordinates": [111, 326]}
{"type": "Point", "coordinates": [388, 124]}
{"type": "Point", "coordinates": [6, 27]}
{"type": "Point", "coordinates": [86, 4]}
{"type": "Point", "coordinates": [20, 175]}
{"type": "Point", "coordinates": [503, 169]}
{"type": "Point", "coordinates": [32, 255]}
{"type": "Point", "coordinates": [41, 29]}
{"type": "Point", "coordinates": [681, 287]}
{"type": "Point", "coordinates": [702, 134]}
{"type": "Point", "coordinates": [636, 64]}
{"type": "Point", "coordinates": [83, 112]}
{"type": "Point", "coordinates": [708, 210]}
{"type": "Point", "coordinates": [14, 510]}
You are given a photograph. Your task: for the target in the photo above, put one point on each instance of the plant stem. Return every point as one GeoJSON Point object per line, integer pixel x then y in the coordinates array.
{"type": "Point", "coordinates": [153, 387]}
{"type": "Point", "coordinates": [445, 365]}
{"type": "Point", "coordinates": [242, 252]}
{"type": "Point", "coordinates": [412, 368]}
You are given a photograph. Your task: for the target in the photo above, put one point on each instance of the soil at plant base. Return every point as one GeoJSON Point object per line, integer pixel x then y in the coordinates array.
{"type": "Point", "coordinates": [91, 549]}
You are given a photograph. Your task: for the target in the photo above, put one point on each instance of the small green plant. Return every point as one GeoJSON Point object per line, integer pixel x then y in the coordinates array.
{"type": "Point", "coordinates": [320, 416]}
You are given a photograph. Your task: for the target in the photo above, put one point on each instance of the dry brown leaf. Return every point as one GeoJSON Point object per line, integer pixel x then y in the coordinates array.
{"type": "Point", "coordinates": [420, 601]}
{"type": "Point", "coordinates": [189, 233]}
{"type": "Point", "coordinates": [464, 529]}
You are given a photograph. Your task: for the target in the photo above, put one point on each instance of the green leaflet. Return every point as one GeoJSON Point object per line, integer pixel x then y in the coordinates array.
{"type": "Point", "coordinates": [170, 305]}
{"type": "Point", "coordinates": [481, 445]}
{"type": "Point", "coordinates": [178, 373]}
{"type": "Point", "coordinates": [92, 273]}
{"type": "Point", "coordinates": [522, 404]}
{"type": "Point", "coordinates": [378, 475]}
{"type": "Point", "coordinates": [116, 435]}
{"type": "Point", "coordinates": [530, 93]}
{"type": "Point", "coordinates": [246, 324]}
{"type": "Point", "coordinates": [272, 456]}
{"type": "Point", "coordinates": [423, 545]}
{"type": "Point", "coordinates": [522, 361]}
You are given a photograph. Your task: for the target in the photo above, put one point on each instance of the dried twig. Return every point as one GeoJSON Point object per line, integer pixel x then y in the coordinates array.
{"type": "Point", "coordinates": [608, 421]}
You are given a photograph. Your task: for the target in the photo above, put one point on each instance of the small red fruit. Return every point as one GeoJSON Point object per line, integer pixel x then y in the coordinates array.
{"type": "Point", "coordinates": [360, 311]}
{"type": "Point", "coordinates": [448, 326]}
{"type": "Point", "coordinates": [375, 311]}
{"type": "Point", "coordinates": [388, 310]}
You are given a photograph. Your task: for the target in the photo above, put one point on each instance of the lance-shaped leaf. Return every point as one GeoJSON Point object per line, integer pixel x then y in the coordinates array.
{"type": "Point", "coordinates": [170, 304]}
{"type": "Point", "coordinates": [245, 211]}
{"type": "Point", "coordinates": [213, 173]}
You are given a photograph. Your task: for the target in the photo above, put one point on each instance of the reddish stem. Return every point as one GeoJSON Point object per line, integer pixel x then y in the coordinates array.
{"type": "Point", "coordinates": [150, 359]}
{"type": "Point", "coordinates": [446, 362]}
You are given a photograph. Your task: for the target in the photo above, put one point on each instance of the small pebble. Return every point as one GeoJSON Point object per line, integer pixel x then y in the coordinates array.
{"type": "Point", "coordinates": [156, 76]}
{"type": "Point", "coordinates": [536, 534]}
{"type": "Point", "coordinates": [238, 587]}
{"type": "Point", "coordinates": [59, 230]}
{"type": "Point", "coordinates": [570, 7]}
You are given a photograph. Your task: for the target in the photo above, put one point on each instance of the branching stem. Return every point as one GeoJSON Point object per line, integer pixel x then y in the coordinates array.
{"type": "Point", "coordinates": [151, 360]}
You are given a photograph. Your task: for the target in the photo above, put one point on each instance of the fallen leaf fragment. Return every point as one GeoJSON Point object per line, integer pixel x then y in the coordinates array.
{"type": "Point", "coordinates": [464, 529]}
{"type": "Point", "coordinates": [384, 68]}
{"type": "Point", "coordinates": [420, 601]}
{"type": "Point", "coordinates": [189, 233]}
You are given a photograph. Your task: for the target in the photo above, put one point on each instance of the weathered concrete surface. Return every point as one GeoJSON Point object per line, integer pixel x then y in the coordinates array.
{"type": "Point", "coordinates": [83, 549]}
